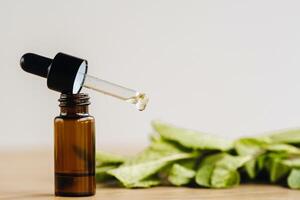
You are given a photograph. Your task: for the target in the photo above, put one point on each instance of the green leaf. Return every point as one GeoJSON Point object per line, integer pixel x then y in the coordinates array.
{"type": "Point", "coordinates": [180, 175]}
{"type": "Point", "coordinates": [250, 146]}
{"type": "Point", "coordinates": [279, 164]}
{"type": "Point", "coordinates": [220, 170]}
{"type": "Point", "coordinates": [283, 148]}
{"type": "Point", "coordinates": [149, 182]}
{"type": "Point", "coordinates": [104, 158]}
{"type": "Point", "coordinates": [251, 168]}
{"type": "Point", "coordinates": [148, 163]}
{"type": "Point", "coordinates": [224, 178]}
{"type": "Point", "coordinates": [261, 160]}
{"type": "Point", "coordinates": [276, 167]}
{"type": "Point", "coordinates": [292, 162]}
{"type": "Point", "coordinates": [164, 146]}
{"type": "Point", "coordinates": [278, 171]}
{"type": "Point", "coordinates": [294, 179]}
{"type": "Point", "coordinates": [253, 147]}
{"type": "Point", "coordinates": [233, 162]}
{"type": "Point", "coordinates": [101, 173]}
{"type": "Point", "coordinates": [291, 136]}
{"type": "Point", "coordinates": [206, 169]}
{"type": "Point", "coordinates": [256, 148]}
{"type": "Point", "coordinates": [204, 174]}
{"type": "Point", "coordinates": [191, 139]}
{"type": "Point", "coordinates": [174, 153]}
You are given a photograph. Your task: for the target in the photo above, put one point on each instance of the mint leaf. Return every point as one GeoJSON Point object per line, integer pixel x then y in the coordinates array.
{"type": "Point", "coordinates": [233, 162]}
{"type": "Point", "coordinates": [283, 148]}
{"type": "Point", "coordinates": [101, 173]}
{"type": "Point", "coordinates": [149, 182]}
{"type": "Point", "coordinates": [224, 178]}
{"type": "Point", "coordinates": [204, 174]}
{"type": "Point", "coordinates": [180, 175]}
{"type": "Point", "coordinates": [279, 164]}
{"type": "Point", "coordinates": [276, 167]}
{"type": "Point", "coordinates": [191, 139]}
{"type": "Point", "coordinates": [148, 163]}
{"type": "Point", "coordinates": [261, 160]}
{"type": "Point", "coordinates": [251, 147]}
{"type": "Point", "coordinates": [174, 153]}
{"type": "Point", "coordinates": [256, 148]}
{"type": "Point", "coordinates": [291, 136]}
{"type": "Point", "coordinates": [294, 179]}
{"type": "Point", "coordinates": [220, 170]}
{"type": "Point", "coordinates": [105, 158]}
{"type": "Point", "coordinates": [292, 162]}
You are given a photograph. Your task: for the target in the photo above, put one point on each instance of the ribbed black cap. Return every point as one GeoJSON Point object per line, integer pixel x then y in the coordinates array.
{"type": "Point", "coordinates": [64, 73]}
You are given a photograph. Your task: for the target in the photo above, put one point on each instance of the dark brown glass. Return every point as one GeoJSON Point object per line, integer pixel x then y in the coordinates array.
{"type": "Point", "coordinates": [74, 147]}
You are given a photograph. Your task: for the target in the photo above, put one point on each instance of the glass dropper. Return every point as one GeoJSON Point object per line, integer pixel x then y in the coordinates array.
{"type": "Point", "coordinates": [68, 74]}
{"type": "Point", "coordinates": [117, 91]}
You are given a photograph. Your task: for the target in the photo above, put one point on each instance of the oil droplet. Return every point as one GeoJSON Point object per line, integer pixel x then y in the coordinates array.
{"type": "Point", "coordinates": [140, 100]}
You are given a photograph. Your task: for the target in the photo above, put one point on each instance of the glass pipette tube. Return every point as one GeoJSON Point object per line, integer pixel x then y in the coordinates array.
{"type": "Point", "coordinates": [118, 91]}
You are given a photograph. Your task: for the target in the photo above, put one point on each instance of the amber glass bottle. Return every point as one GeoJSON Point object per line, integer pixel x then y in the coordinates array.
{"type": "Point", "coordinates": [74, 147]}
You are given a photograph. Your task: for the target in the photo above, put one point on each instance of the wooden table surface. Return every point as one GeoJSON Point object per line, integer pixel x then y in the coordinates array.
{"type": "Point", "coordinates": [29, 175]}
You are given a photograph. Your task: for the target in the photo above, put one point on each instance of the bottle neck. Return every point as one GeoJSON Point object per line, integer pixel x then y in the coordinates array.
{"type": "Point", "coordinates": [74, 110]}
{"type": "Point", "coordinates": [74, 104]}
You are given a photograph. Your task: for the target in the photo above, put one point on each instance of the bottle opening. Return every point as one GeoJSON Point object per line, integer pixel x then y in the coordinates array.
{"type": "Point", "coordinates": [80, 99]}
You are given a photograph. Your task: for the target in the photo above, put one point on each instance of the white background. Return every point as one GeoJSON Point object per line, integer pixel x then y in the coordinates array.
{"type": "Point", "coordinates": [230, 67]}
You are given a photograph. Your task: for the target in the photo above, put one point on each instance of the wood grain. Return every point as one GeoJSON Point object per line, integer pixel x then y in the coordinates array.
{"type": "Point", "coordinates": [29, 175]}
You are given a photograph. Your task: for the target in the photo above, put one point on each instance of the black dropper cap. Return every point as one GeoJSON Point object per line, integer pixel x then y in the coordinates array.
{"type": "Point", "coordinates": [64, 73]}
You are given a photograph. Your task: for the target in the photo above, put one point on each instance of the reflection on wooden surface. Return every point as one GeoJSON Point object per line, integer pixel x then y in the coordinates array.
{"type": "Point", "coordinates": [29, 175]}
